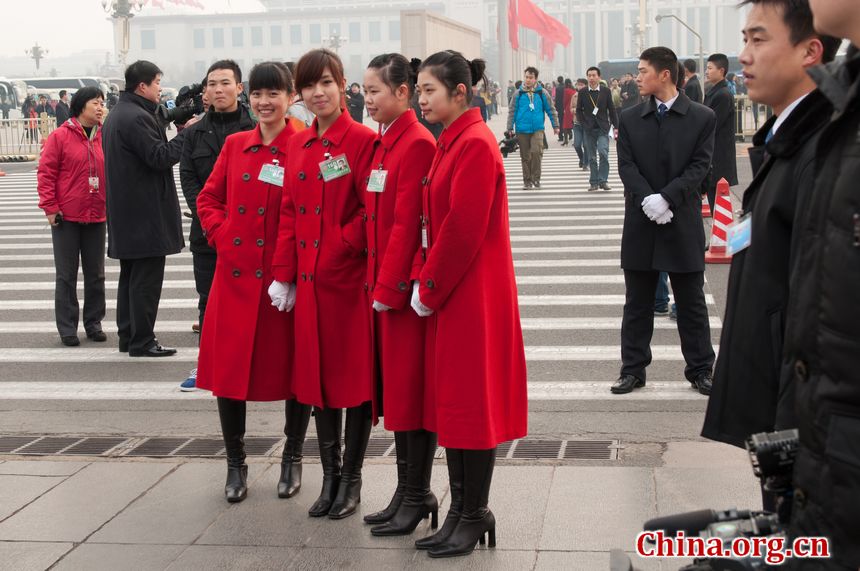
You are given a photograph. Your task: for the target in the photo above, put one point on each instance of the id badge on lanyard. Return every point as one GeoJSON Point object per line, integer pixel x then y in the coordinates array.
{"type": "Point", "coordinates": [739, 235]}
{"type": "Point", "coordinates": [334, 168]}
{"type": "Point", "coordinates": [272, 173]}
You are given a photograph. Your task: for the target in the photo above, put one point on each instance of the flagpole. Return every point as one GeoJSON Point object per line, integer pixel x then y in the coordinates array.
{"type": "Point", "coordinates": [505, 47]}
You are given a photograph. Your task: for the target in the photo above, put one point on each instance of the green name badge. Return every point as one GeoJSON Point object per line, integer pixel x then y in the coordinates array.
{"type": "Point", "coordinates": [377, 181]}
{"type": "Point", "coordinates": [335, 167]}
{"type": "Point", "coordinates": [272, 174]}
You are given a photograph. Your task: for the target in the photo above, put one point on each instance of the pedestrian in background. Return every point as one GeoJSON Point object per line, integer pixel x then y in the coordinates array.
{"type": "Point", "coordinates": [569, 113]}
{"type": "Point", "coordinates": [578, 134]}
{"type": "Point", "coordinates": [597, 115]}
{"type": "Point", "coordinates": [71, 183]}
{"type": "Point", "coordinates": [355, 102]}
{"type": "Point", "coordinates": [62, 109]}
{"type": "Point", "coordinates": [558, 94]}
{"type": "Point", "coordinates": [720, 99]}
{"type": "Point", "coordinates": [692, 85]}
{"type": "Point", "coordinates": [526, 118]}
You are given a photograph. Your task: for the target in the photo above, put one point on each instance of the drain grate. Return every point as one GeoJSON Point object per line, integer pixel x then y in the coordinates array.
{"type": "Point", "coordinates": [379, 447]}
{"type": "Point", "coordinates": [201, 447]}
{"type": "Point", "coordinates": [11, 443]}
{"type": "Point", "coordinates": [503, 449]}
{"type": "Point", "coordinates": [260, 446]}
{"type": "Point", "coordinates": [48, 445]}
{"type": "Point", "coordinates": [95, 446]}
{"type": "Point", "coordinates": [157, 447]}
{"type": "Point", "coordinates": [311, 449]}
{"type": "Point", "coordinates": [546, 449]}
{"type": "Point", "coordinates": [590, 450]}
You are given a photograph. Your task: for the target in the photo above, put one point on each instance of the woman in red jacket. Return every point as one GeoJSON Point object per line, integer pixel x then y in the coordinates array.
{"type": "Point", "coordinates": [72, 194]}
{"type": "Point", "coordinates": [321, 249]}
{"type": "Point", "coordinates": [402, 157]}
{"type": "Point", "coordinates": [246, 344]}
{"type": "Point", "coordinates": [475, 357]}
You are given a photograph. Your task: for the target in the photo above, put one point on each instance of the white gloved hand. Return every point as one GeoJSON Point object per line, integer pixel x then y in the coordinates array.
{"type": "Point", "coordinates": [377, 306]}
{"type": "Point", "coordinates": [283, 295]}
{"type": "Point", "coordinates": [654, 206]}
{"type": "Point", "coordinates": [421, 309]}
{"type": "Point", "coordinates": [666, 218]}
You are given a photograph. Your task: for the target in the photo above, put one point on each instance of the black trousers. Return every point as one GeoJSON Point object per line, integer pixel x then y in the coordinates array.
{"type": "Point", "coordinates": [204, 273]}
{"type": "Point", "coordinates": [637, 327]}
{"type": "Point", "coordinates": [137, 297]}
{"type": "Point", "coordinates": [74, 242]}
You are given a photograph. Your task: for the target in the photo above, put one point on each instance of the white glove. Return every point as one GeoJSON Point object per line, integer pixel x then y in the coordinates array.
{"type": "Point", "coordinates": [666, 218]}
{"type": "Point", "coordinates": [421, 309]}
{"type": "Point", "coordinates": [654, 206]}
{"type": "Point", "coordinates": [380, 307]}
{"type": "Point", "coordinates": [283, 295]}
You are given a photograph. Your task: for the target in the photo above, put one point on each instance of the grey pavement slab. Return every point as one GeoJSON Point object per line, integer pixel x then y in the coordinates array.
{"type": "Point", "coordinates": [41, 467]}
{"type": "Point", "coordinates": [518, 498]}
{"type": "Point", "coordinates": [313, 559]}
{"type": "Point", "coordinates": [18, 491]}
{"type": "Point", "coordinates": [701, 454]}
{"type": "Point", "coordinates": [689, 489]}
{"type": "Point", "coordinates": [591, 561]}
{"type": "Point", "coordinates": [30, 556]}
{"type": "Point", "coordinates": [482, 559]}
{"type": "Point", "coordinates": [110, 557]}
{"type": "Point", "coordinates": [84, 502]}
{"type": "Point", "coordinates": [597, 509]}
{"type": "Point", "coordinates": [217, 558]}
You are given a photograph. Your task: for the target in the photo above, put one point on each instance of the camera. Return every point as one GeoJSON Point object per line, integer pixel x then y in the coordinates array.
{"type": "Point", "coordinates": [188, 103]}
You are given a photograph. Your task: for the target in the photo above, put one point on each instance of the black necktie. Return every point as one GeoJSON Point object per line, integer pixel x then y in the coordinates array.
{"type": "Point", "coordinates": [662, 110]}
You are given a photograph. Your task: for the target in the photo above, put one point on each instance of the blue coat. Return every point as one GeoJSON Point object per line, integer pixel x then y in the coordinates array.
{"type": "Point", "coordinates": [526, 118]}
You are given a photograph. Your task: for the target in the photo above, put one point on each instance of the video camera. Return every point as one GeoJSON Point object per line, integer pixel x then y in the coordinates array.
{"type": "Point", "coordinates": [772, 456]}
{"type": "Point", "coordinates": [188, 103]}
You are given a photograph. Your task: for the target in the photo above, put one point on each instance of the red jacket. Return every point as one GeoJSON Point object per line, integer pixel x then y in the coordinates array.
{"type": "Point", "coordinates": [246, 349]}
{"type": "Point", "coordinates": [475, 355]}
{"type": "Point", "coordinates": [569, 115]}
{"type": "Point", "coordinates": [322, 248]}
{"type": "Point", "coordinates": [68, 161]}
{"type": "Point", "coordinates": [405, 151]}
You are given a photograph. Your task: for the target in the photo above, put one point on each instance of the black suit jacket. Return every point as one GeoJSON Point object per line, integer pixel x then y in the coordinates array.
{"type": "Point", "coordinates": [693, 89]}
{"type": "Point", "coordinates": [606, 114]}
{"type": "Point", "coordinates": [671, 158]}
{"type": "Point", "coordinates": [720, 99]}
{"type": "Point", "coordinates": [63, 113]}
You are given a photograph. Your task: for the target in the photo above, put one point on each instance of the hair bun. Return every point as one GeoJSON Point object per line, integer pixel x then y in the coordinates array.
{"type": "Point", "coordinates": [415, 64]}
{"type": "Point", "coordinates": [477, 67]}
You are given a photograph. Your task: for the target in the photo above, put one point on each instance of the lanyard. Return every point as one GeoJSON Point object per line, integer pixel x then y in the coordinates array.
{"type": "Point", "coordinates": [593, 102]}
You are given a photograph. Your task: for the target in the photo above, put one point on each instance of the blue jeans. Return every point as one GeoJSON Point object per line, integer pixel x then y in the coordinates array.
{"type": "Point", "coordinates": [577, 143]}
{"type": "Point", "coordinates": [661, 298]}
{"type": "Point", "coordinates": [597, 143]}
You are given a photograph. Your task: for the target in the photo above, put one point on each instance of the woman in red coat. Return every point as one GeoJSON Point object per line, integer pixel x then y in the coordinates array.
{"type": "Point", "coordinates": [321, 249]}
{"type": "Point", "coordinates": [569, 112]}
{"type": "Point", "coordinates": [246, 345]}
{"type": "Point", "coordinates": [401, 160]}
{"type": "Point", "coordinates": [475, 357]}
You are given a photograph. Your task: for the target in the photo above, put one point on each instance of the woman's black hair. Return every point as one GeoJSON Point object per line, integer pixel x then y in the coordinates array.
{"type": "Point", "coordinates": [568, 83]}
{"type": "Point", "coordinates": [452, 68]}
{"type": "Point", "coordinates": [270, 75]}
{"type": "Point", "coordinates": [83, 96]}
{"type": "Point", "coordinates": [395, 70]}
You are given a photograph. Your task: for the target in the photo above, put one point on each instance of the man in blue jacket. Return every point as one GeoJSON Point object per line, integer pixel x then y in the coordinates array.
{"type": "Point", "coordinates": [526, 113]}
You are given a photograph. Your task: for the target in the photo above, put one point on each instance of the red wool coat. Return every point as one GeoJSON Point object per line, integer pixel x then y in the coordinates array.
{"type": "Point", "coordinates": [246, 349]}
{"type": "Point", "coordinates": [475, 356]}
{"type": "Point", "coordinates": [322, 248]}
{"type": "Point", "coordinates": [405, 151]}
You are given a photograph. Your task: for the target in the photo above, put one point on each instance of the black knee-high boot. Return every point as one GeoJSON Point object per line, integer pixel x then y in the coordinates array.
{"type": "Point", "coordinates": [419, 501]}
{"type": "Point", "coordinates": [477, 519]}
{"type": "Point", "coordinates": [232, 415]}
{"type": "Point", "coordinates": [401, 450]}
{"type": "Point", "coordinates": [358, 424]}
{"type": "Point", "coordinates": [456, 475]}
{"type": "Point", "coordinates": [328, 422]}
{"type": "Point", "coordinates": [295, 427]}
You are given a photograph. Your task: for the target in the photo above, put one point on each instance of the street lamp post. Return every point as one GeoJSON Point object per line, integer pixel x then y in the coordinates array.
{"type": "Point", "coordinates": [692, 31]}
{"type": "Point", "coordinates": [336, 41]}
{"type": "Point", "coordinates": [37, 53]}
{"type": "Point", "coordinates": [122, 11]}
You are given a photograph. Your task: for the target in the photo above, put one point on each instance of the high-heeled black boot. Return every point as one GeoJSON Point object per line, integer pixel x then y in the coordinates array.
{"type": "Point", "coordinates": [232, 415]}
{"type": "Point", "coordinates": [400, 449]}
{"type": "Point", "coordinates": [419, 500]}
{"type": "Point", "coordinates": [295, 427]}
{"type": "Point", "coordinates": [358, 424]}
{"type": "Point", "coordinates": [455, 485]}
{"type": "Point", "coordinates": [476, 519]}
{"type": "Point", "coordinates": [328, 422]}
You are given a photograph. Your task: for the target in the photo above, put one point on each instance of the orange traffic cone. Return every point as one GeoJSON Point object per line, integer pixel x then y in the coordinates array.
{"type": "Point", "coordinates": [706, 208]}
{"type": "Point", "coordinates": [1, 172]}
{"type": "Point", "coordinates": [722, 218]}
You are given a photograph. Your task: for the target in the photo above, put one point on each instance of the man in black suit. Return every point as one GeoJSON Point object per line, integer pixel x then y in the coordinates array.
{"type": "Point", "coordinates": [665, 146]}
{"type": "Point", "coordinates": [62, 111]}
{"type": "Point", "coordinates": [692, 86]}
{"type": "Point", "coordinates": [596, 113]}
{"type": "Point", "coordinates": [629, 92]}
{"type": "Point", "coordinates": [720, 99]}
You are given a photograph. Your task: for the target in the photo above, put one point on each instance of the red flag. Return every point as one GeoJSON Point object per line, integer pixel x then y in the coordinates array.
{"type": "Point", "coordinates": [547, 49]}
{"type": "Point", "coordinates": [513, 25]}
{"type": "Point", "coordinates": [532, 17]}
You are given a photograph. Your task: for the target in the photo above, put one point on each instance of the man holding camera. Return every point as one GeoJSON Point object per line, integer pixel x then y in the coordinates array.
{"type": "Point", "coordinates": [143, 217]}
{"type": "Point", "coordinates": [203, 143]}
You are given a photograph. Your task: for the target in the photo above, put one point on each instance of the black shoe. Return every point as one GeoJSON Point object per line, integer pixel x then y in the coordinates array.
{"type": "Point", "coordinates": [625, 384]}
{"type": "Point", "coordinates": [537, 184]}
{"type": "Point", "coordinates": [605, 186]}
{"type": "Point", "coordinates": [328, 424]}
{"type": "Point", "coordinates": [154, 351]}
{"type": "Point", "coordinates": [661, 311]}
{"type": "Point", "coordinates": [358, 425]}
{"type": "Point", "coordinates": [592, 187]}
{"type": "Point", "coordinates": [236, 488]}
{"type": "Point", "coordinates": [455, 479]}
{"type": "Point", "coordinates": [123, 346]}
{"type": "Point", "coordinates": [703, 383]}
{"type": "Point", "coordinates": [469, 532]}
{"type": "Point", "coordinates": [401, 451]}
{"type": "Point", "coordinates": [232, 416]}
{"type": "Point", "coordinates": [527, 186]}
{"type": "Point", "coordinates": [295, 427]}
{"type": "Point", "coordinates": [70, 340]}
{"type": "Point", "coordinates": [97, 336]}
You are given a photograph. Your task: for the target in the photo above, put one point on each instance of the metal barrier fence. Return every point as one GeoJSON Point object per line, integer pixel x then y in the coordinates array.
{"type": "Point", "coordinates": [25, 136]}
{"type": "Point", "coordinates": [750, 116]}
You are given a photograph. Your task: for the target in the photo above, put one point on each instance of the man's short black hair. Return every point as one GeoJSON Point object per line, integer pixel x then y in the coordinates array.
{"type": "Point", "coordinates": [720, 61]}
{"type": "Point", "coordinates": [83, 96]}
{"type": "Point", "coordinates": [797, 16]}
{"type": "Point", "coordinates": [691, 65]}
{"type": "Point", "coordinates": [532, 70]}
{"type": "Point", "coordinates": [662, 59]}
{"type": "Point", "coordinates": [226, 64]}
{"type": "Point", "coordinates": [63, 93]}
{"type": "Point", "coordinates": [141, 71]}
{"type": "Point", "coordinates": [593, 68]}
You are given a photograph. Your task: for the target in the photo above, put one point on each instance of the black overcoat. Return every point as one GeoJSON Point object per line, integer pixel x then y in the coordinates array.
{"type": "Point", "coordinates": [143, 217]}
{"type": "Point", "coordinates": [746, 379]}
{"type": "Point", "coordinates": [671, 158]}
{"type": "Point", "coordinates": [720, 99]}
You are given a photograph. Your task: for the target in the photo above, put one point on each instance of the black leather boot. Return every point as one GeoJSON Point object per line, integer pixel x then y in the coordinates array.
{"type": "Point", "coordinates": [455, 483]}
{"type": "Point", "coordinates": [295, 427]}
{"type": "Point", "coordinates": [328, 422]}
{"type": "Point", "coordinates": [419, 501]}
{"type": "Point", "coordinates": [400, 449]}
{"type": "Point", "coordinates": [476, 519]}
{"type": "Point", "coordinates": [358, 423]}
{"type": "Point", "coordinates": [232, 415]}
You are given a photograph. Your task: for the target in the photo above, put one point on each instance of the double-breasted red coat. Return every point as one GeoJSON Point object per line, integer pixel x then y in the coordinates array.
{"type": "Point", "coordinates": [246, 348]}
{"type": "Point", "coordinates": [322, 246]}
{"type": "Point", "coordinates": [475, 355]}
{"type": "Point", "coordinates": [405, 152]}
